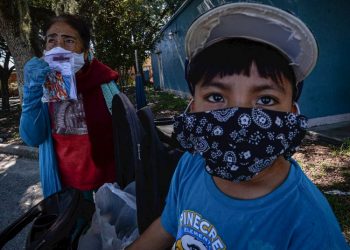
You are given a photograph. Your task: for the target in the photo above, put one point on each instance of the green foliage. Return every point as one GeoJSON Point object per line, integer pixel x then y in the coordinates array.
{"type": "Point", "coordinates": [163, 101]}
{"type": "Point", "coordinates": [162, 104]}
{"type": "Point", "coordinates": [118, 27]}
{"type": "Point", "coordinates": [121, 27]}
{"type": "Point", "coordinates": [345, 147]}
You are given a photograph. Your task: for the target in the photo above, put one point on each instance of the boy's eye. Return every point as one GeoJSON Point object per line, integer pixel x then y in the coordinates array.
{"type": "Point", "coordinates": [215, 98]}
{"type": "Point", "coordinates": [266, 100]}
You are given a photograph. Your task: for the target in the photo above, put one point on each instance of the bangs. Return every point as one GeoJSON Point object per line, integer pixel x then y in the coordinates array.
{"type": "Point", "coordinates": [236, 56]}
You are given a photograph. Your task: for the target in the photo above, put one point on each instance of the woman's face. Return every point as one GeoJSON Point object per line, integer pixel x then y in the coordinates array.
{"type": "Point", "coordinates": [60, 34]}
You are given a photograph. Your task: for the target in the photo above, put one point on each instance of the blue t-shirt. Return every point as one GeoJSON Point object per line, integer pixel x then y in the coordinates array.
{"type": "Point", "coordinates": [294, 216]}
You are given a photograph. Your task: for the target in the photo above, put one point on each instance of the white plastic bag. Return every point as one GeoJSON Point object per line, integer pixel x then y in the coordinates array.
{"type": "Point", "coordinates": [114, 224]}
{"type": "Point", "coordinates": [60, 83]}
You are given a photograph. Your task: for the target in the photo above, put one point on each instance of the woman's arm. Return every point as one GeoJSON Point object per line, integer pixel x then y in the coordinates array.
{"type": "Point", "coordinates": [155, 237]}
{"type": "Point", "coordinates": [34, 117]}
{"type": "Point", "coordinates": [33, 125]}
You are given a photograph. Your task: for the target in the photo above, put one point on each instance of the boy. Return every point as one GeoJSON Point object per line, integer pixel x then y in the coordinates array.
{"type": "Point", "coordinates": [237, 187]}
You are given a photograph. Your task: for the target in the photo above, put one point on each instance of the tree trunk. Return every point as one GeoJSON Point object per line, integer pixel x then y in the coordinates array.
{"type": "Point", "coordinates": [5, 73]}
{"type": "Point", "coordinates": [15, 28]}
{"type": "Point", "coordinates": [21, 52]}
{"type": "Point", "coordinates": [5, 92]}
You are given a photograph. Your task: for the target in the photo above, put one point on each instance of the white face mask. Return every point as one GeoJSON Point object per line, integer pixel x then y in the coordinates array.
{"type": "Point", "coordinates": [78, 61]}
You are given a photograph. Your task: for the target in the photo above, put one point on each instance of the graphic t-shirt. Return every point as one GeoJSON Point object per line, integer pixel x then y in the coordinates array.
{"type": "Point", "coordinates": [73, 147]}
{"type": "Point", "coordinates": [294, 216]}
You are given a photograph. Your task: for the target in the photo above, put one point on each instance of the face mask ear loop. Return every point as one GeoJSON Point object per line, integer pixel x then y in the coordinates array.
{"type": "Point", "coordinates": [188, 106]}
{"type": "Point", "coordinates": [297, 107]}
{"type": "Point", "coordinates": [90, 55]}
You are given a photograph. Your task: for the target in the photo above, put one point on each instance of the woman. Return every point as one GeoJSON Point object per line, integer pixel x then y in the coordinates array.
{"type": "Point", "coordinates": [74, 136]}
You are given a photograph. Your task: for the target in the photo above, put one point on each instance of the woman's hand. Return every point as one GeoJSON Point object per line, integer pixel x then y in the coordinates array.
{"type": "Point", "coordinates": [35, 71]}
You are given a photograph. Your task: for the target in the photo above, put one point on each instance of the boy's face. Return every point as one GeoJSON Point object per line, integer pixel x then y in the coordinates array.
{"type": "Point", "coordinates": [243, 91]}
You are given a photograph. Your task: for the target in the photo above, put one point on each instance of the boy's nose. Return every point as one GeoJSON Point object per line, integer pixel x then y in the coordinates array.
{"type": "Point", "coordinates": [238, 99]}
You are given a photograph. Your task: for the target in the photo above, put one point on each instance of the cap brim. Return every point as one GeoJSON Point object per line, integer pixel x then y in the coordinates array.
{"type": "Point", "coordinates": [257, 22]}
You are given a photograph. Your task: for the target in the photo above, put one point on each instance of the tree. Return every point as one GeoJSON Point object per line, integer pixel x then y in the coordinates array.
{"type": "Point", "coordinates": [5, 72]}
{"type": "Point", "coordinates": [15, 28]}
{"type": "Point", "coordinates": [119, 27]}
{"type": "Point", "coordinates": [20, 25]}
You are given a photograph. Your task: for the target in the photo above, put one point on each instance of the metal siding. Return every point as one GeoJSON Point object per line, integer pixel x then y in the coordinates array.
{"type": "Point", "coordinates": [155, 70]}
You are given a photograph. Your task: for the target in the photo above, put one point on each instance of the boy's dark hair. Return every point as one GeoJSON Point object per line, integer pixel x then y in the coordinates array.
{"type": "Point", "coordinates": [76, 23]}
{"type": "Point", "coordinates": [235, 56]}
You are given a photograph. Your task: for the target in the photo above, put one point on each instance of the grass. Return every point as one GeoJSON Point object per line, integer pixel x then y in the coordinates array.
{"type": "Point", "coordinates": [341, 208]}
{"type": "Point", "coordinates": [344, 149]}
{"type": "Point", "coordinates": [163, 102]}
{"type": "Point", "coordinates": [328, 167]}
{"type": "Point", "coordinates": [341, 204]}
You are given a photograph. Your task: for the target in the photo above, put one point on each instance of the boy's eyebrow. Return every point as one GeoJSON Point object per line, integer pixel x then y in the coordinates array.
{"type": "Point", "coordinates": [267, 86]}
{"type": "Point", "coordinates": [257, 88]}
{"type": "Point", "coordinates": [216, 84]}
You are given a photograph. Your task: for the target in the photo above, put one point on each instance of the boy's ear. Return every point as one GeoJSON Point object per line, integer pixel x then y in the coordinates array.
{"type": "Point", "coordinates": [192, 105]}
{"type": "Point", "coordinates": [295, 108]}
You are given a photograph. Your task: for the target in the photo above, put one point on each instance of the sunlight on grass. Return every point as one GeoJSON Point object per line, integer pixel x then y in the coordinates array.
{"type": "Point", "coordinates": [165, 101]}
{"type": "Point", "coordinates": [344, 149]}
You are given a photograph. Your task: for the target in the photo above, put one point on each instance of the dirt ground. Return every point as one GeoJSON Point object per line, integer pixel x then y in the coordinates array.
{"type": "Point", "coordinates": [325, 164]}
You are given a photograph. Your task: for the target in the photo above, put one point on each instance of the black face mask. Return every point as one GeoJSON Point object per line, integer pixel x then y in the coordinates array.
{"type": "Point", "coordinates": [238, 143]}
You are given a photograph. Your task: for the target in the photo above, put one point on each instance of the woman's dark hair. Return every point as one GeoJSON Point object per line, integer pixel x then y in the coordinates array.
{"type": "Point", "coordinates": [76, 23]}
{"type": "Point", "coordinates": [235, 56]}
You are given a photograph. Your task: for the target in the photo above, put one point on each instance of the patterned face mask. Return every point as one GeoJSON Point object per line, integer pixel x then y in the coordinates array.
{"type": "Point", "coordinates": [238, 143]}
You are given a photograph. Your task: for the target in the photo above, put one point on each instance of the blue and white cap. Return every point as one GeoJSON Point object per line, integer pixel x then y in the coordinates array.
{"type": "Point", "coordinates": [258, 22]}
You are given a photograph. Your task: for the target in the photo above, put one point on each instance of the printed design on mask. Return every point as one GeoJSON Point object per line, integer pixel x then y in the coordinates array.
{"type": "Point", "coordinates": [195, 232]}
{"type": "Point", "coordinates": [244, 120]}
{"type": "Point", "coordinates": [224, 114]}
{"type": "Point", "coordinates": [261, 118]}
{"type": "Point", "coordinates": [201, 145]}
{"type": "Point", "coordinates": [239, 143]}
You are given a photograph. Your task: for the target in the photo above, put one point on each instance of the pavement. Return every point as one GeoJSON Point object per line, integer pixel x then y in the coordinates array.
{"type": "Point", "coordinates": [19, 150]}
{"type": "Point", "coordinates": [20, 190]}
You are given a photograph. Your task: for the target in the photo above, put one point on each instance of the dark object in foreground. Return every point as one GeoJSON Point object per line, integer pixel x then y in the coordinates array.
{"type": "Point", "coordinates": [58, 221]}
{"type": "Point", "coordinates": [144, 154]}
